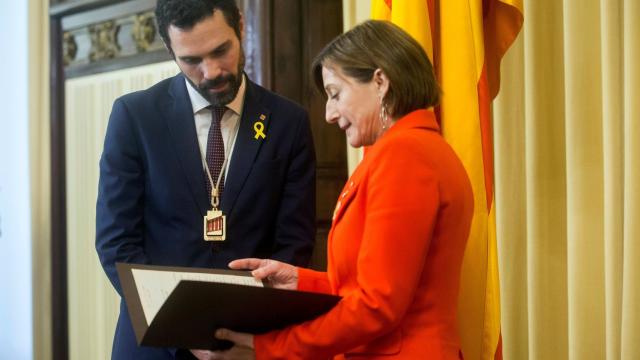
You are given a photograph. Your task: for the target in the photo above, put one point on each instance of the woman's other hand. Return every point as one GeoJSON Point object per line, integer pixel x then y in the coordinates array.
{"type": "Point", "coordinates": [279, 274]}
{"type": "Point", "coordinates": [241, 350]}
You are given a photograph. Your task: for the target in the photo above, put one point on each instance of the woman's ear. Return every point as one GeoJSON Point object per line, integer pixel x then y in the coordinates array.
{"type": "Point", "coordinates": [382, 82]}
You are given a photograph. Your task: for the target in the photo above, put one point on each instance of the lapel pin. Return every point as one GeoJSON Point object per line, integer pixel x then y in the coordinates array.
{"type": "Point", "coordinates": [258, 127]}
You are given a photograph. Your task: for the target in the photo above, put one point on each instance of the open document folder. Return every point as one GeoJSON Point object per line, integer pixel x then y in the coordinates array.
{"type": "Point", "coordinates": [182, 307]}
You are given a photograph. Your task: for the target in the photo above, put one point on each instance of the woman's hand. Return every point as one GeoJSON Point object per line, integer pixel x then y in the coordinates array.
{"type": "Point", "coordinates": [279, 274]}
{"type": "Point", "coordinates": [241, 350]}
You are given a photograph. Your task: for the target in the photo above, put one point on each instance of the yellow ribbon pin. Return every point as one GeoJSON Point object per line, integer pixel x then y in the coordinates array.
{"type": "Point", "coordinates": [259, 129]}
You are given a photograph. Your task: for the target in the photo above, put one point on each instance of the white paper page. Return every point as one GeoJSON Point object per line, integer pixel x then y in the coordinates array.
{"type": "Point", "coordinates": [154, 287]}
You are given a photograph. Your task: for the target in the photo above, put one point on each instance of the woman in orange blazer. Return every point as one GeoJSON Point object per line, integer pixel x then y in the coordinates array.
{"type": "Point", "coordinates": [400, 225]}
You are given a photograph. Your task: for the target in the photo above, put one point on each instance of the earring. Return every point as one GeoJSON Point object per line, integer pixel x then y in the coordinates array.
{"type": "Point", "coordinates": [383, 116]}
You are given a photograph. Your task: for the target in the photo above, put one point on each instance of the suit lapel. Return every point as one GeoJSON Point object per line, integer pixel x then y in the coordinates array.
{"type": "Point", "coordinates": [344, 199]}
{"type": "Point", "coordinates": [179, 118]}
{"type": "Point", "coordinates": [246, 146]}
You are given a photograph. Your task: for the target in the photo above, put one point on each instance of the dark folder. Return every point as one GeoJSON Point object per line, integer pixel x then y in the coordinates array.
{"type": "Point", "coordinates": [190, 312]}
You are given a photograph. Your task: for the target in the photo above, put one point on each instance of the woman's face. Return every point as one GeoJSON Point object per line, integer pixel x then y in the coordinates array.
{"type": "Point", "coordinates": [354, 106]}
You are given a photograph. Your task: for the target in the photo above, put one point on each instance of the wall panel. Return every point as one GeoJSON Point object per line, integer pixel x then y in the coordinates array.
{"type": "Point", "coordinates": [93, 303]}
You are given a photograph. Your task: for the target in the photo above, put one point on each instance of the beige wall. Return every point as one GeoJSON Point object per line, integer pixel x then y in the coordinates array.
{"type": "Point", "coordinates": [355, 11]}
{"type": "Point", "coordinates": [40, 169]}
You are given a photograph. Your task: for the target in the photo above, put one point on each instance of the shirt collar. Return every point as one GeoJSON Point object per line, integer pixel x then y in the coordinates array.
{"type": "Point", "coordinates": [198, 102]}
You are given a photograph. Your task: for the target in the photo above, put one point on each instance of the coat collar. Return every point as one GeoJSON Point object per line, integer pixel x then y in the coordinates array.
{"type": "Point", "coordinates": [178, 115]}
{"type": "Point", "coordinates": [421, 119]}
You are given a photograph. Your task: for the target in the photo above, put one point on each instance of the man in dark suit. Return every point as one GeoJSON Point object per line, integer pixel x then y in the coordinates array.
{"type": "Point", "coordinates": [208, 136]}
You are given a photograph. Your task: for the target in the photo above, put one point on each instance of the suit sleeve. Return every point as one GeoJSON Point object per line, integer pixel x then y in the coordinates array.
{"type": "Point", "coordinates": [119, 209]}
{"type": "Point", "coordinates": [295, 222]}
{"type": "Point", "coordinates": [400, 215]}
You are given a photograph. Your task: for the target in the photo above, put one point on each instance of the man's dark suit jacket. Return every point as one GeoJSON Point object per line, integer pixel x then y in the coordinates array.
{"type": "Point", "coordinates": [152, 196]}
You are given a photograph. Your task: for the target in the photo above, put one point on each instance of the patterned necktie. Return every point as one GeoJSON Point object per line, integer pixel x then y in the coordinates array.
{"type": "Point", "coordinates": [215, 150]}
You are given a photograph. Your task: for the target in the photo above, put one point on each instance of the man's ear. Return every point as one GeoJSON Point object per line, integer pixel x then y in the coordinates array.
{"type": "Point", "coordinates": [381, 81]}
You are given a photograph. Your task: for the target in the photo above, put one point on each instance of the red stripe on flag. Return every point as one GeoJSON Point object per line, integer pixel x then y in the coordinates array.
{"type": "Point", "coordinates": [434, 20]}
{"type": "Point", "coordinates": [486, 128]}
{"type": "Point", "coordinates": [431, 5]}
{"type": "Point", "coordinates": [498, 355]}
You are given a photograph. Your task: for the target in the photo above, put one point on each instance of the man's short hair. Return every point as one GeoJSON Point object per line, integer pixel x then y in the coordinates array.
{"type": "Point", "coordinates": [185, 14]}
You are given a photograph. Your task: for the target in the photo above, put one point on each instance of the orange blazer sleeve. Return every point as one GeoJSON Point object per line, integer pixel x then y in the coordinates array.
{"type": "Point", "coordinates": [313, 281]}
{"type": "Point", "coordinates": [397, 200]}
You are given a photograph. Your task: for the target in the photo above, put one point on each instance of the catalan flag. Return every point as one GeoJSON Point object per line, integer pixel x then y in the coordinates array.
{"type": "Point", "coordinates": [465, 40]}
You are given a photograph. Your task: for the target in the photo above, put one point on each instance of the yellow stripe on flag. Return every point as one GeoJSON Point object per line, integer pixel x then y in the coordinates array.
{"type": "Point", "coordinates": [380, 10]}
{"type": "Point", "coordinates": [471, 37]}
{"type": "Point", "coordinates": [411, 15]}
{"type": "Point", "coordinates": [460, 68]}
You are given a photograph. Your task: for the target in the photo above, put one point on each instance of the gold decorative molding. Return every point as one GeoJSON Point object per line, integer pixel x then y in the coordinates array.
{"type": "Point", "coordinates": [69, 48]}
{"type": "Point", "coordinates": [104, 43]}
{"type": "Point", "coordinates": [144, 30]}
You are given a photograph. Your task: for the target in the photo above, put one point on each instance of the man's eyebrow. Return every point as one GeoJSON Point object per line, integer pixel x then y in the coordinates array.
{"type": "Point", "coordinates": [220, 48]}
{"type": "Point", "coordinates": [224, 46]}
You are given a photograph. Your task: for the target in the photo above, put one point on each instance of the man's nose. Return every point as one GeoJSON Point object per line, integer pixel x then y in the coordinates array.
{"type": "Point", "coordinates": [210, 69]}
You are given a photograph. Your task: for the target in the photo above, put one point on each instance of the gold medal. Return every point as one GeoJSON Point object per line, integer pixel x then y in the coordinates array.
{"type": "Point", "coordinates": [215, 226]}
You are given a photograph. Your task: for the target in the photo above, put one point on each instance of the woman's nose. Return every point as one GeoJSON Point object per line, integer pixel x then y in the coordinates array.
{"type": "Point", "coordinates": [331, 115]}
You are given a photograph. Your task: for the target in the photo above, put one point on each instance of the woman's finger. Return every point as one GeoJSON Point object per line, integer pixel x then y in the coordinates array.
{"type": "Point", "coordinates": [268, 268]}
{"type": "Point", "coordinates": [246, 264]}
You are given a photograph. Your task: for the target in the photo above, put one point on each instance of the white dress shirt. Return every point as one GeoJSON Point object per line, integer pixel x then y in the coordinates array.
{"type": "Point", "coordinates": [228, 124]}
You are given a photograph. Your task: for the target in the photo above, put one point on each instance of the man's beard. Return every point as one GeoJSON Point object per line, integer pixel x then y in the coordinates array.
{"type": "Point", "coordinates": [232, 81]}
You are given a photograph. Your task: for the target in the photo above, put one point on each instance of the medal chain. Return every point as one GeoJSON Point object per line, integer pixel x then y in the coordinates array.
{"type": "Point", "coordinates": [215, 197]}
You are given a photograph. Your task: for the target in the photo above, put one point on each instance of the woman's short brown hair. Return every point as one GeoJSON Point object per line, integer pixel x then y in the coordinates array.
{"type": "Point", "coordinates": [376, 44]}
